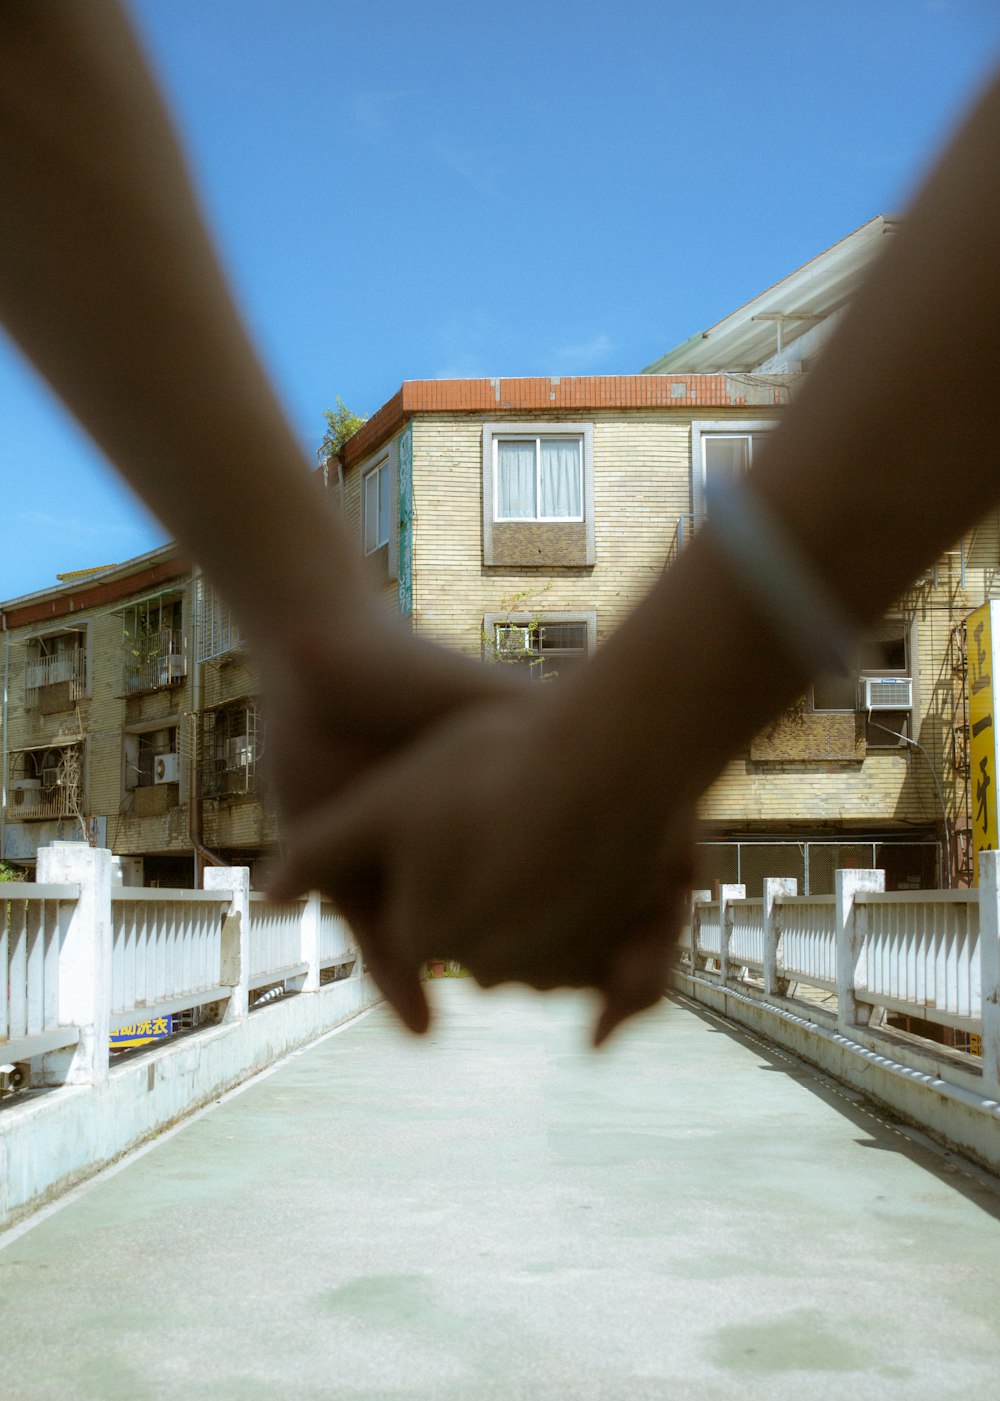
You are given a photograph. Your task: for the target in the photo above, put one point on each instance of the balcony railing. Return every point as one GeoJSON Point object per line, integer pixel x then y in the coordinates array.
{"type": "Point", "coordinates": [685, 530]}
{"type": "Point", "coordinates": [64, 667]}
{"type": "Point", "coordinates": [154, 662]}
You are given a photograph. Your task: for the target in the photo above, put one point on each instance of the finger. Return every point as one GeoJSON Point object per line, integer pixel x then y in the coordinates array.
{"type": "Point", "coordinates": [403, 990]}
{"type": "Point", "coordinates": [331, 847]}
{"type": "Point", "coordinates": [636, 979]}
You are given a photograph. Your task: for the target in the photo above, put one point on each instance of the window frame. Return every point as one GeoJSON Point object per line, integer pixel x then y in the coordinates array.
{"type": "Point", "coordinates": [493, 621]}
{"type": "Point", "coordinates": [496, 429]}
{"type": "Point", "coordinates": [705, 429]}
{"type": "Point", "coordinates": [896, 722]}
{"type": "Point", "coordinates": [537, 439]}
{"type": "Point", "coordinates": [376, 470]}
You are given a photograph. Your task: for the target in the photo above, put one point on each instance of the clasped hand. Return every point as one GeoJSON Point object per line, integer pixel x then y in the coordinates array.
{"type": "Point", "coordinates": [479, 830]}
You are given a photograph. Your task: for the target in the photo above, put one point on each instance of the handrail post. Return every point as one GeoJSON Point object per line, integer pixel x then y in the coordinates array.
{"type": "Point", "coordinates": [234, 971]}
{"type": "Point", "coordinates": [697, 897]}
{"type": "Point", "coordinates": [850, 931]}
{"type": "Point", "coordinates": [84, 960]}
{"type": "Point", "coordinates": [774, 888]}
{"type": "Point", "coordinates": [726, 894]}
{"type": "Point", "coordinates": [309, 926]}
{"type": "Point", "coordinates": [989, 954]}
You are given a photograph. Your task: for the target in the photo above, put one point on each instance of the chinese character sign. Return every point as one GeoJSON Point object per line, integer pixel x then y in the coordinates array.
{"type": "Point", "coordinates": [142, 1033]}
{"type": "Point", "coordinates": [982, 637]}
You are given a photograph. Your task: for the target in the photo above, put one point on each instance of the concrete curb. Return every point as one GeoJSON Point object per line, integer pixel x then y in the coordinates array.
{"type": "Point", "coordinates": [54, 1142]}
{"type": "Point", "coordinates": [954, 1116]}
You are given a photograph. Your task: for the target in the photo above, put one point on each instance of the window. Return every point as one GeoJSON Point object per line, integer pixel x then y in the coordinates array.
{"type": "Point", "coordinates": [723, 452]}
{"type": "Point", "coordinates": [45, 783]}
{"type": "Point", "coordinates": [378, 507]}
{"type": "Point", "coordinates": [230, 749]}
{"type": "Point", "coordinates": [538, 478]}
{"type": "Point", "coordinates": [538, 495]}
{"type": "Point", "coordinates": [218, 630]}
{"type": "Point", "coordinates": [56, 672]}
{"type": "Point", "coordinates": [153, 648]}
{"type": "Point", "coordinates": [547, 647]}
{"type": "Point", "coordinates": [882, 653]}
{"type": "Point", "coordinates": [151, 758]}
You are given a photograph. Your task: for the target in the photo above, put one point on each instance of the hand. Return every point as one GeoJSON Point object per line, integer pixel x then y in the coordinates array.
{"type": "Point", "coordinates": [337, 699]}
{"type": "Point", "coordinates": [499, 841]}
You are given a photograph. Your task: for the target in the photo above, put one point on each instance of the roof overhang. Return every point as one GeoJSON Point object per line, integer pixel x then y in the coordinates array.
{"type": "Point", "coordinates": [748, 337]}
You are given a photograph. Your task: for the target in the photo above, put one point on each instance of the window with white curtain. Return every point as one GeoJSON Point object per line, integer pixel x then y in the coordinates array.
{"type": "Point", "coordinates": [538, 478]}
{"type": "Point", "coordinates": [378, 507]}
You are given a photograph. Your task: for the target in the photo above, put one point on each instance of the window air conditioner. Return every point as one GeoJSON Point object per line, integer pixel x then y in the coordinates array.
{"type": "Point", "coordinates": [512, 641]}
{"type": "Point", "coordinates": [167, 768]}
{"type": "Point", "coordinates": [171, 669]}
{"type": "Point", "coordinates": [22, 788]}
{"type": "Point", "coordinates": [241, 752]}
{"type": "Point", "coordinates": [886, 693]}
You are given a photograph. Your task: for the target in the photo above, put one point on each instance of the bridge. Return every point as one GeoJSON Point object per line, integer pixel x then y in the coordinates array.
{"type": "Point", "coordinates": [495, 1210]}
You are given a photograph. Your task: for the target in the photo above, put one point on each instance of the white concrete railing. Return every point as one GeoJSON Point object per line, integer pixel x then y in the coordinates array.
{"type": "Point", "coordinates": [805, 928]}
{"type": "Point", "coordinates": [921, 951]}
{"type": "Point", "coordinates": [933, 955]}
{"type": "Point", "coordinates": [336, 942]}
{"type": "Point", "coordinates": [166, 951]}
{"type": "Point", "coordinates": [275, 941]}
{"type": "Point", "coordinates": [33, 923]}
{"type": "Point", "coordinates": [83, 958]}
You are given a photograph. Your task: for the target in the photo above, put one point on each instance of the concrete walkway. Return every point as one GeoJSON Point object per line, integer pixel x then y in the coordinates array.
{"type": "Point", "coordinates": [498, 1213]}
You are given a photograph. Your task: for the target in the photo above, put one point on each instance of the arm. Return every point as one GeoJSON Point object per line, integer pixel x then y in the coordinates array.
{"type": "Point", "coordinates": [109, 283]}
{"type": "Point", "coordinates": [878, 466]}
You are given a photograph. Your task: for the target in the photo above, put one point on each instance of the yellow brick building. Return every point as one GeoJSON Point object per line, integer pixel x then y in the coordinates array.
{"type": "Point", "coordinates": [129, 720]}
{"type": "Point", "coordinates": [522, 519]}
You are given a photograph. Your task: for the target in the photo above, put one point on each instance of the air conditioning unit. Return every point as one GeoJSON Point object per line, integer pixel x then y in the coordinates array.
{"type": "Point", "coordinates": [171, 669]}
{"type": "Point", "coordinates": [15, 1076]}
{"type": "Point", "coordinates": [52, 774]}
{"type": "Point", "coordinates": [22, 789]}
{"type": "Point", "coordinates": [513, 641]}
{"type": "Point", "coordinates": [886, 693]}
{"type": "Point", "coordinates": [167, 768]}
{"type": "Point", "coordinates": [241, 752]}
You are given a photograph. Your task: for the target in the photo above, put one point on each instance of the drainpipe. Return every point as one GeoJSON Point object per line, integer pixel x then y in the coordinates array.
{"type": "Point", "coordinates": [3, 770]}
{"type": "Point", "coordinates": [202, 856]}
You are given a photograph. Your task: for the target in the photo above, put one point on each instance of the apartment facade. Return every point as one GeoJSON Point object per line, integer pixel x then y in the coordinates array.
{"type": "Point", "coordinates": [516, 520]}
{"type": "Point", "coordinates": [130, 720]}
{"type": "Point", "coordinates": [527, 517]}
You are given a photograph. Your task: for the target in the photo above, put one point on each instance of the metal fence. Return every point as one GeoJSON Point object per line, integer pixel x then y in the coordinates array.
{"type": "Point", "coordinates": [909, 865]}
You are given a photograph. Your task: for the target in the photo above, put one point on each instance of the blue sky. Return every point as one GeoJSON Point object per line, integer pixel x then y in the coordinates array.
{"type": "Point", "coordinates": [434, 188]}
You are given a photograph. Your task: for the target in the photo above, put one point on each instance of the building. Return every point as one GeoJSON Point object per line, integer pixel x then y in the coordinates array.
{"type": "Point", "coordinates": [129, 719]}
{"type": "Point", "coordinates": [519, 519]}
{"type": "Point", "coordinates": [528, 516]}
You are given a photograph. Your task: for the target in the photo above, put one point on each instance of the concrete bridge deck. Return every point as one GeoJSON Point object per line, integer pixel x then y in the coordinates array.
{"type": "Point", "coordinates": [496, 1212]}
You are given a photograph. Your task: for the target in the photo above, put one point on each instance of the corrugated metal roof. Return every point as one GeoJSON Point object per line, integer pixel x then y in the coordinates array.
{"type": "Point", "coordinates": [746, 338]}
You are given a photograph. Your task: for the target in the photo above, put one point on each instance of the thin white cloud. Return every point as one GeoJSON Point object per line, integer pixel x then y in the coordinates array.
{"type": "Point", "coordinates": [472, 172]}
{"type": "Point", "coordinates": [375, 109]}
{"type": "Point", "coordinates": [583, 355]}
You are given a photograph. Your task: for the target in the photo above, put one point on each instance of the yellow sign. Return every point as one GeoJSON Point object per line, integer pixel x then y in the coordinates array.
{"type": "Point", "coordinates": [982, 637]}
